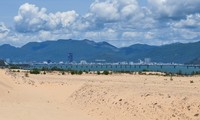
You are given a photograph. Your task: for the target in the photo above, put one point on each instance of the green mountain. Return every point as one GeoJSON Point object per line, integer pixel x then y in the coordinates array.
{"type": "Point", "coordinates": [91, 51]}
{"type": "Point", "coordinates": [196, 61]}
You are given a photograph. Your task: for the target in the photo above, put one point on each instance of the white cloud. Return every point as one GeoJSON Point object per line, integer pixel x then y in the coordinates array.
{"type": "Point", "coordinates": [174, 9]}
{"type": "Point", "coordinates": [187, 34]}
{"type": "Point", "coordinates": [45, 35]}
{"type": "Point", "coordinates": [131, 35]}
{"type": "Point", "coordinates": [106, 20]}
{"type": "Point", "coordinates": [126, 14]}
{"type": "Point", "coordinates": [192, 21]}
{"type": "Point", "coordinates": [62, 19]}
{"type": "Point", "coordinates": [187, 29]}
{"type": "Point", "coordinates": [30, 18]}
{"type": "Point", "coordinates": [105, 11]}
{"type": "Point", "coordinates": [114, 10]}
{"type": "Point", "coordinates": [106, 34]}
{"type": "Point", "coordinates": [3, 30]}
{"type": "Point", "coordinates": [127, 11]}
{"type": "Point", "coordinates": [163, 21]}
{"type": "Point", "coordinates": [149, 35]}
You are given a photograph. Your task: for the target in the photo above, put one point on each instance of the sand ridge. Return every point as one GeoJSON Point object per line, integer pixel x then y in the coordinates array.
{"type": "Point", "coordinates": [98, 97]}
{"type": "Point", "coordinates": [142, 100]}
{"type": "Point", "coordinates": [30, 99]}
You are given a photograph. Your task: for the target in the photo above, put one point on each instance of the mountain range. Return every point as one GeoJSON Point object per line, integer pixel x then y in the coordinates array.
{"type": "Point", "coordinates": [91, 51]}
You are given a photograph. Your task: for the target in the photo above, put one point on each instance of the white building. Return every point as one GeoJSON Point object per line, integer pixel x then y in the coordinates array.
{"type": "Point", "coordinates": [83, 62]}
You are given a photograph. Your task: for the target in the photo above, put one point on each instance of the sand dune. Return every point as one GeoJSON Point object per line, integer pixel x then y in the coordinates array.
{"type": "Point", "coordinates": [33, 100]}
{"type": "Point", "coordinates": [141, 98]}
{"type": "Point", "coordinates": [5, 85]}
{"type": "Point", "coordinates": [91, 97]}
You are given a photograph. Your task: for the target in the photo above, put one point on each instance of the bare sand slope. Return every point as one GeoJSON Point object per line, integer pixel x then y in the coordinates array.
{"type": "Point", "coordinates": [140, 98]}
{"type": "Point", "coordinates": [24, 99]}
{"type": "Point", "coordinates": [91, 97]}
{"type": "Point", "coordinates": [5, 84]}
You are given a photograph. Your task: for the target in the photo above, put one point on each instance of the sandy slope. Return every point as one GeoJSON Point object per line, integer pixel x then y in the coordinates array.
{"type": "Point", "coordinates": [140, 98]}
{"type": "Point", "coordinates": [25, 99]}
{"type": "Point", "coordinates": [92, 97]}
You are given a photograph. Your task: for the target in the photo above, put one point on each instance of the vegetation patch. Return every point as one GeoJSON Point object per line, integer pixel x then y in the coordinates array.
{"type": "Point", "coordinates": [35, 71]}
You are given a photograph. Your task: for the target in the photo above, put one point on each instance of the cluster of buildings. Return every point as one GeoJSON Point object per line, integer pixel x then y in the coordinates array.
{"type": "Point", "coordinates": [70, 60]}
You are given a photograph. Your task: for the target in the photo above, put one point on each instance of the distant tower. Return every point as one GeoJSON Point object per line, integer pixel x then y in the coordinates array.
{"type": "Point", "coordinates": [70, 57]}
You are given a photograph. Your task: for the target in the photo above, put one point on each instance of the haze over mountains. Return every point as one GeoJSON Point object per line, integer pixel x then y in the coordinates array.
{"type": "Point", "coordinates": [91, 51]}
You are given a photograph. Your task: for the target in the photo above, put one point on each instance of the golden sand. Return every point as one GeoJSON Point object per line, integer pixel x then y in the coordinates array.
{"type": "Point", "coordinates": [98, 97]}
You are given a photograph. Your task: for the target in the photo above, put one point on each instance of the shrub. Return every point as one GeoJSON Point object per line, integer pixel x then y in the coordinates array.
{"type": "Point", "coordinates": [56, 69]}
{"type": "Point", "coordinates": [35, 71]}
{"type": "Point", "coordinates": [14, 67]}
{"type": "Point", "coordinates": [26, 74]}
{"type": "Point", "coordinates": [105, 72]}
{"type": "Point", "coordinates": [76, 72]}
{"type": "Point", "coordinates": [63, 73]}
{"type": "Point", "coordinates": [72, 72]}
{"type": "Point", "coordinates": [140, 73]}
{"type": "Point", "coordinates": [80, 72]}
{"type": "Point", "coordinates": [45, 69]}
{"type": "Point", "coordinates": [98, 73]}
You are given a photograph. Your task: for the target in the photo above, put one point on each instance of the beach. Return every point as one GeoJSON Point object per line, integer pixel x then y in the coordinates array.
{"type": "Point", "coordinates": [53, 96]}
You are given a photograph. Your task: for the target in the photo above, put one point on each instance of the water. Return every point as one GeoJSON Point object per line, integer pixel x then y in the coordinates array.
{"type": "Point", "coordinates": [133, 68]}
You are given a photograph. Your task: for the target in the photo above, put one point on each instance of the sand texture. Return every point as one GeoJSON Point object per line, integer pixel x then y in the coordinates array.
{"type": "Point", "coordinates": [54, 96]}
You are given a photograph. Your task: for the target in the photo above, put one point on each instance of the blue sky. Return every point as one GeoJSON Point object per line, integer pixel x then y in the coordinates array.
{"type": "Point", "coordinates": [119, 22]}
{"type": "Point", "coordinates": [7, 13]}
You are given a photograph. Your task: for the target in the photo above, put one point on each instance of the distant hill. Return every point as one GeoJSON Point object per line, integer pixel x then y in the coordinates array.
{"type": "Point", "coordinates": [196, 61]}
{"type": "Point", "coordinates": [2, 63]}
{"type": "Point", "coordinates": [179, 53]}
{"type": "Point", "coordinates": [90, 51]}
